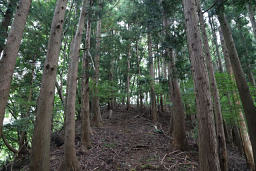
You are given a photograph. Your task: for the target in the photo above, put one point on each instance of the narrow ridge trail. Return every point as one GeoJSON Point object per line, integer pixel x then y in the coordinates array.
{"type": "Point", "coordinates": [130, 142]}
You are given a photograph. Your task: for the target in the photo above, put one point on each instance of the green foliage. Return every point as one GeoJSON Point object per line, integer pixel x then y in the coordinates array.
{"type": "Point", "coordinates": [188, 96]}
{"type": "Point", "coordinates": [227, 90]}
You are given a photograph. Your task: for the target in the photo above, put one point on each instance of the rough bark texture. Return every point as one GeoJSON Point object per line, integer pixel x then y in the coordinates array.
{"type": "Point", "coordinates": [241, 122]}
{"type": "Point", "coordinates": [96, 105]}
{"type": "Point", "coordinates": [225, 53]}
{"type": "Point", "coordinates": [212, 24]}
{"type": "Point", "coordinates": [128, 78]}
{"type": "Point", "coordinates": [8, 61]}
{"type": "Point", "coordinates": [246, 141]}
{"type": "Point", "coordinates": [244, 92]}
{"type": "Point", "coordinates": [208, 156]}
{"type": "Point", "coordinates": [41, 136]}
{"type": "Point", "coordinates": [179, 134]}
{"type": "Point", "coordinates": [251, 16]}
{"type": "Point", "coordinates": [248, 69]}
{"type": "Point", "coordinates": [139, 101]}
{"type": "Point", "coordinates": [6, 22]}
{"type": "Point", "coordinates": [85, 113]}
{"type": "Point", "coordinates": [59, 90]}
{"type": "Point", "coordinates": [221, 141]}
{"type": "Point", "coordinates": [152, 89]}
{"type": "Point", "coordinates": [139, 73]}
{"type": "Point", "coordinates": [70, 159]}
{"type": "Point", "coordinates": [178, 123]}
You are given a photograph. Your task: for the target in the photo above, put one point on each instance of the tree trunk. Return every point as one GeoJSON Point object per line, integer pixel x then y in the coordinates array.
{"type": "Point", "coordinates": [23, 143]}
{"type": "Point", "coordinates": [251, 16]}
{"type": "Point", "coordinates": [70, 159]}
{"type": "Point", "coordinates": [225, 53]}
{"type": "Point", "coordinates": [247, 146]}
{"type": "Point", "coordinates": [221, 141]}
{"type": "Point", "coordinates": [59, 90]}
{"type": "Point", "coordinates": [85, 113]}
{"type": "Point", "coordinates": [6, 22]}
{"type": "Point", "coordinates": [248, 69]}
{"type": "Point", "coordinates": [139, 73]}
{"type": "Point", "coordinates": [211, 21]}
{"type": "Point", "coordinates": [178, 115]}
{"type": "Point", "coordinates": [8, 61]}
{"type": "Point", "coordinates": [208, 156]}
{"type": "Point", "coordinates": [138, 69]}
{"type": "Point", "coordinates": [238, 139]}
{"type": "Point", "coordinates": [246, 141]}
{"type": "Point", "coordinates": [152, 75]}
{"type": "Point", "coordinates": [244, 92]}
{"type": "Point", "coordinates": [165, 77]}
{"type": "Point", "coordinates": [179, 134]}
{"type": "Point", "coordinates": [128, 77]}
{"type": "Point", "coordinates": [41, 136]}
{"type": "Point", "coordinates": [96, 104]}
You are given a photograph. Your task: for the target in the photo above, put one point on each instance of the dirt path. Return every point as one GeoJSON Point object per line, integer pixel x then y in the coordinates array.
{"type": "Point", "coordinates": [129, 142]}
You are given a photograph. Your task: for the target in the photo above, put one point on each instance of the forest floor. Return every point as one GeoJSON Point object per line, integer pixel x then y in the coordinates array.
{"type": "Point", "coordinates": [129, 142]}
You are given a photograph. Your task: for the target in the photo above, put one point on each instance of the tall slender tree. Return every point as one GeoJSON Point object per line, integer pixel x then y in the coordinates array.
{"type": "Point", "coordinates": [41, 135]}
{"type": "Point", "coordinates": [208, 156]}
{"type": "Point", "coordinates": [152, 79]}
{"type": "Point", "coordinates": [128, 76]}
{"type": "Point", "coordinates": [245, 140]}
{"type": "Point", "coordinates": [96, 104]}
{"type": "Point", "coordinates": [251, 12]}
{"type": "Point", "coordinates": [85, 113]}
{"type": "Point", "coordinates": [213, 28]}
{"type": "Point", "coordinates": [70, 160]}
{"type": "Point", "coordinates": [6, 22]}
{"type": "Point", "coordinates": [221, 141]}
{"type": "Point", "coordinates": [8, 60]}
{"type": "Point", "coordinates": [178, 132]}
{"type": "Point", "coordinates": [243, 88]}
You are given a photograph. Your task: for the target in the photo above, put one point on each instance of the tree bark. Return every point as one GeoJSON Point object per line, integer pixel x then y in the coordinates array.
{"type": "Point", "coordinates": [178, 116]}
{"type": "Point", "coordinates": [85, 113]}
{"type": "Point", "coordinates": [211, 21]}
{"type": "Point", "coordinates": [59, 90]}
{"type": "Point", "coordinates": [251, 16]}
{"type": "Point", "coordinates": [221, 141]}
{"type": "Point", "coordinates": [247, 146]}
{"type": "Point", "coordinates": [248, 69]}
{"type": "Point", "coordinates": [41, 136]}
{"type": "Point", "coordinates": [178, 133]}
{"type": "Point", "coordinates": [152, 75]}
{"type": "Point", "coordinates": [96, 104]}
{"type": "Point", "coordinates": [23, 143]}
{"type": "Point", "coordinates": [225, 53]}
{"type": "Point", "coordinates": [128, 77]}
{"type": "Point", "coordinates": [8, 61]}
{"type": "Point", "coordinates": [70, 160]}
{"type": "Point", "coordinates": [9, 147]}
{"type": "Point", "coordinates": [208, 156]}
{"type": "Point", "coordinates": [138, 81]}
{"type": "Point", "coordinates": [244, 92]}
{"type": "Point", "coordinates": [6, 22]}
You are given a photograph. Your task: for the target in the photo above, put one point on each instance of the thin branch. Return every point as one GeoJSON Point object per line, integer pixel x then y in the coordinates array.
{"type": "Point", "coordinates": [8, 145]}
{"type": "Point", "coordinates": [210, 7]}
{"type": "Point", "coordinates": [59, 90]}
{"type": "Point", "coordinates": [91, 59]}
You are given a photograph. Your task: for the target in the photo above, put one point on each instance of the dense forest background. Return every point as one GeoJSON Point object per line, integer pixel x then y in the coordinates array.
{"type": "Point", "coordinates": [69, 67]}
